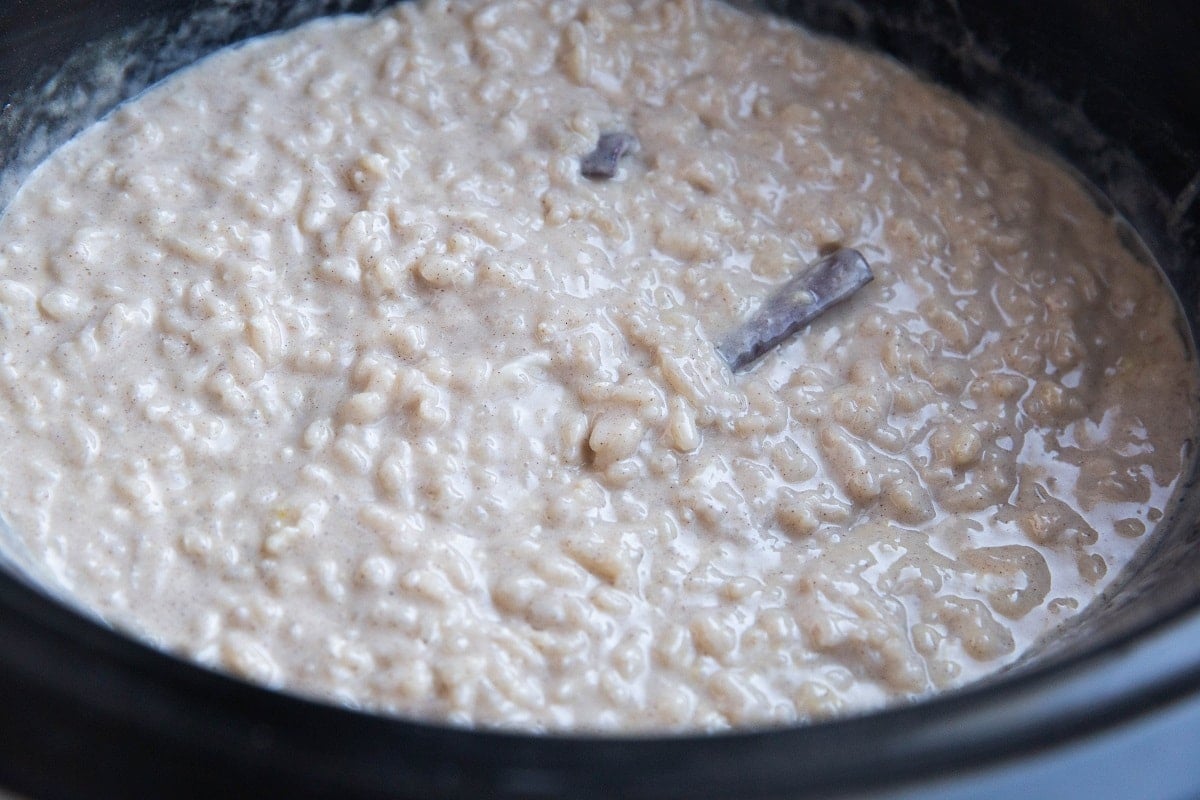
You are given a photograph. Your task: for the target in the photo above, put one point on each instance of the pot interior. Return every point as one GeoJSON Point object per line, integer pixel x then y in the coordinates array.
{"type": "Point", "coordinates": [1104, 87]}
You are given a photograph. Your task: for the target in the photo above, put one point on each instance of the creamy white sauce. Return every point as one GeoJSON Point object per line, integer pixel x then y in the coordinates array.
{"type": "Point", "coordinates": [322, 364]}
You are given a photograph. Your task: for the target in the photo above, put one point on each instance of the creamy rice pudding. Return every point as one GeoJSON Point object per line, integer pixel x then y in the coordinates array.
{"type": "Point", "coordinates": [322, 363]}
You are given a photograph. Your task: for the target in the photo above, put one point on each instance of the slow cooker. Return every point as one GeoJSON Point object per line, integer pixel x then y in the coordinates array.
{"type": "Point", "coordinates": [1109, 708]}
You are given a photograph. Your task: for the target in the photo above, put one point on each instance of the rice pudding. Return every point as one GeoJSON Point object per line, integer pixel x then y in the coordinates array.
{"type": "Point", "coordinates": [324, 364]}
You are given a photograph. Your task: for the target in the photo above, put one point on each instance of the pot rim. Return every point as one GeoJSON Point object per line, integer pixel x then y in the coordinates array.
{"type": "Point", "coordinates": [264, 737]}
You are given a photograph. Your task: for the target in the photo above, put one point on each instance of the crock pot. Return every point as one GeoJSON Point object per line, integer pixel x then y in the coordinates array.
{"type": "Point", "coordinates": [87, 712]}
